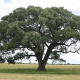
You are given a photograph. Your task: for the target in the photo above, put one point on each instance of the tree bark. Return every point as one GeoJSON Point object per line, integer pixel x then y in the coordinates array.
{"type": "Point", "coordinates": [41, 66]}
{"type": "Point", "coordinates": [42, 63]}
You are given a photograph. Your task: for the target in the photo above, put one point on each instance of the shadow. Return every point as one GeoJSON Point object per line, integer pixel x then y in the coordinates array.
{"type": "Point", "coordinates": [49, 71]}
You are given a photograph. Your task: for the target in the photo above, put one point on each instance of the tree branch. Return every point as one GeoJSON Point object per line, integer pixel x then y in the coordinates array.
{"type": "Point", "coordinates": [29, 55]}
{"type": "Point", "coordinates": [70, 51]}
{"type": "Point", "coordinates": [61, 43]}
{"type": "Point", "coordinates": [50, 30]}
{"type": "Point", "coordinates": [72, 42]}
{"type": "Point", "coordinates": [46, 45]}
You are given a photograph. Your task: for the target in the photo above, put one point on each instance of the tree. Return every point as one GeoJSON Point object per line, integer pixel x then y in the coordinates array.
{"type": "Point", "coordinates": [35, 28]}
{"type": "Point", "coordinates": [1, 59]}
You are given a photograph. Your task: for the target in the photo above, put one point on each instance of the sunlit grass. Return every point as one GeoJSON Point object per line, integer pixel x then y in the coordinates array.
{"type": "Point", "coordinates": [31, 69]}
{"type": "Point", "coordinates": [18, 66]}
{"type": "Point", "coordinates": [28, 72]}
{"type": "Point", "coordinates": [38, 77]}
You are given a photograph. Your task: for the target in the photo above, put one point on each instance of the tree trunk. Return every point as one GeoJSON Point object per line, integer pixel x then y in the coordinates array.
{"type": "Point", "coordinates": [41, 66]}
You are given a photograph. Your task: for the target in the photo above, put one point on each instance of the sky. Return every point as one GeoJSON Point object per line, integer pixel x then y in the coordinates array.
{"type": "Point", "coordinates": [7, 6]}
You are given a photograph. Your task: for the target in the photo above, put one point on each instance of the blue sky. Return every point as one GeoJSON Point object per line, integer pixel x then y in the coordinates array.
{"type": "Point", "coordinates": [7, 1]}
{"type": "Point", "coordinates": [6, 6]}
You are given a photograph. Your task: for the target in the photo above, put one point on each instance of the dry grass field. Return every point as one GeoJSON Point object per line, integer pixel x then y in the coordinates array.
{"type": "Point", "coordinates": [28, 72]}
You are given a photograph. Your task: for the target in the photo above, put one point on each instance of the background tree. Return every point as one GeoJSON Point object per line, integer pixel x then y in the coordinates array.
{"type": "Point", "coordinates": [35, 28]}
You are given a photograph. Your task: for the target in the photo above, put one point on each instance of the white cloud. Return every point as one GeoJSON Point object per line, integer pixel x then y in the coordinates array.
{"type": "Point", "coordinates": [6, 8]}
{"type": "Point", "coordinates": [72, 58]}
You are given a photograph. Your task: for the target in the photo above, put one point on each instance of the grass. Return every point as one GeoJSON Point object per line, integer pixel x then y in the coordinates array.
{"type": "Point", "coordinates": [28, 72]}
{"type": "Point", "coordinates": [38, 77]}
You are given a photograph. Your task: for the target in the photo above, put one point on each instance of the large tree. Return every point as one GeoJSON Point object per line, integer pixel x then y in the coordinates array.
{"type": "Point", "coordinates": [35, 29]}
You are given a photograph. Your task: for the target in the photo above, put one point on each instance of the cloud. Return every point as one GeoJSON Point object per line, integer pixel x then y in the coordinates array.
{"type": "Point", "coordinates": [7, 7]}
{"type": "Point", "coordinates": [7, 1]}
{"type": "Point", "coordinates": [72, 58]}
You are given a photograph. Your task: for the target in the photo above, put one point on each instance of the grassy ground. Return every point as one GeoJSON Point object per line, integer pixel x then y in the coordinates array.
{"type": "Point", "coordinates": [28, 72]}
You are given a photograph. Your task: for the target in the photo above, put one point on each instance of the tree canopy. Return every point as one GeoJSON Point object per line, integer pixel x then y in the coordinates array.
{"type": "Point", "coordinates": [35, 28]}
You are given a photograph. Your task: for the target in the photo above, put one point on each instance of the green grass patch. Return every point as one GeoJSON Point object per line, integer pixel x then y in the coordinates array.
{"type": "Point", "coordinates": [28, 72]}
{"type": "Point", "coordinates": [33, 71]}
{"type": "Point", "coordinates": [51, 69]}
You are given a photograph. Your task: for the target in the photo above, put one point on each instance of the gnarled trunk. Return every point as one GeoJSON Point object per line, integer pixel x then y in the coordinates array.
{"type": "Point", "coordinates": [41, 66]}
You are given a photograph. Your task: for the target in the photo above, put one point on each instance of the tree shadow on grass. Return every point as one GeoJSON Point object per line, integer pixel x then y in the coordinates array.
{"type": "Point", "coordinates": [34, 71]}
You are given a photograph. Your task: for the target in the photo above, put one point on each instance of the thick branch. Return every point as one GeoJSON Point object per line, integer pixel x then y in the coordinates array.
{"type": "Point", "coordinates": [46, 45]}
{"type": "Point", "coordinates": [61, 43]}
{"type": "Point", "coordinates": [29, 55]}
{"type": "Point", "coordinates": [49, 50]}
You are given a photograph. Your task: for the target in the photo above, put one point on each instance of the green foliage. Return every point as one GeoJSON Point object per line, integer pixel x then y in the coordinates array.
{"type": "Point", "coordinates": [15, 35]}
{"type": "Point", "coordinates": [3, 29]}
{"type": "Point", "coordinates": [35, 12]}
{"type": "Point", "coordinates": [70, 33]}
{"type": "Point", "coordinates": [34, 28]}
{"type": "Point", "coordinates": [18, 14]}
{"type": "Point", "coordinates": [19, 56]}
{"type": "Point", "coordinates": [11, 60]}
{"type": "Point", "coordinates": [34, 41]}
{"type": "Point", "coordinates": [55, 55]}
{"type": "Point", "coordinates": [2, 60]}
